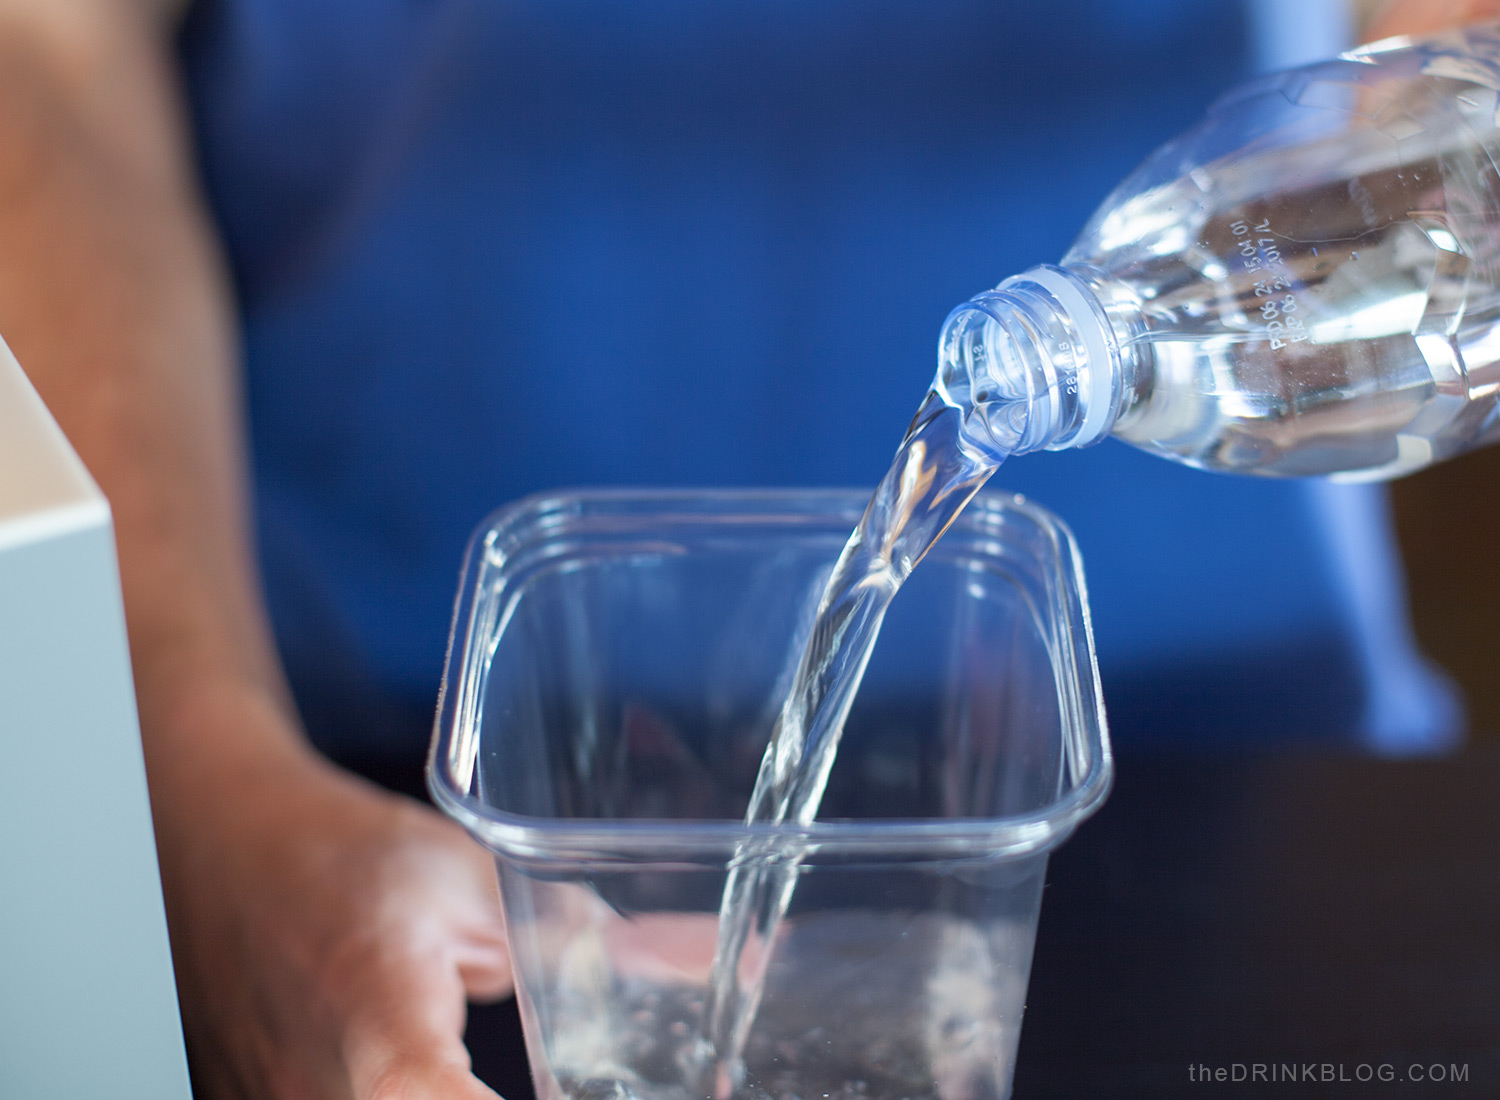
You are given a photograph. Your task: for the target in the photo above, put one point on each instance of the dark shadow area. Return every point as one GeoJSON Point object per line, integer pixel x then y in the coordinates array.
{"type": "Point", "coordinates": [1277, 910]}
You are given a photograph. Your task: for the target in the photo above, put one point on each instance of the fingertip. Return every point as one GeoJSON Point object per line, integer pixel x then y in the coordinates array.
{"type": "Point", "coordinates": [485, 971]}
{"type": "Point", "coordinates": [488, 988]}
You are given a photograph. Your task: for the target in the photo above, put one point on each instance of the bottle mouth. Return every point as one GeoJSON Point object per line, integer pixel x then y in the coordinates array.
{"type": "Point", "coordinates": [1032, 364]}
{"type": "Point", "coordinates": [982, 373]}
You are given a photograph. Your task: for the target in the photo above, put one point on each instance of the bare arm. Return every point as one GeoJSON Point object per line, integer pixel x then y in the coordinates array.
{"type": "Point", "coordinates": [113, 295]}
{"type": "Point", "coordinates": [325, 934]}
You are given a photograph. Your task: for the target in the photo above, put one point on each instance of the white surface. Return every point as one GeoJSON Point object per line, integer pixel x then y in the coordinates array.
{"type": "Point", "coordinates": [88, 1007]}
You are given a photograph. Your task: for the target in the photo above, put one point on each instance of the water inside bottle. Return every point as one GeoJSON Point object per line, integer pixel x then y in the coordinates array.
{"type": "Point", "coordinates": [1305, 317]}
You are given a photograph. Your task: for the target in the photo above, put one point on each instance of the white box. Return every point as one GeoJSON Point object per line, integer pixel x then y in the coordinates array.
{"type": "Point", "coordinates": [88, 1007]}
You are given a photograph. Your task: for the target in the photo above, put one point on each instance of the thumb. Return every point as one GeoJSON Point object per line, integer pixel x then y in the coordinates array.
{"type": "Point", "coordinates": [404, 1038]}
{"type": "Point", "coordinates": [411, 1063]}
{"type": "Point", "coordinates": [425, 1080]}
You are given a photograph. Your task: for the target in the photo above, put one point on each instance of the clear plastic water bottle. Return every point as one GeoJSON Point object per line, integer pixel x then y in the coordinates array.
{"type": "Point", "coordinates": [1307, 282]}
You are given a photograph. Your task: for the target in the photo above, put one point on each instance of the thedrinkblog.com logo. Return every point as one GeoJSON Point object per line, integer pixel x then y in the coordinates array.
{"type": "Point", "coordinates": [1331, 1073]}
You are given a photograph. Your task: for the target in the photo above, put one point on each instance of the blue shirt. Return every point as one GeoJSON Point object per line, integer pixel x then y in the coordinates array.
{"type": "Point", "coordinates": [486, 247]}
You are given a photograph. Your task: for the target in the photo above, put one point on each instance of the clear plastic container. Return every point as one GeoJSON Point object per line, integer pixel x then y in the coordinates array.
{"type": "Point", "coordinates": [1306, 282]}
{"type": "Point", "coordinates": [617, 661]}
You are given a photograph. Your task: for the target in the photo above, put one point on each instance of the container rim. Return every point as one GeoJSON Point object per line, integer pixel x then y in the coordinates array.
{"type": "Point", "coordinates": [532, 520]}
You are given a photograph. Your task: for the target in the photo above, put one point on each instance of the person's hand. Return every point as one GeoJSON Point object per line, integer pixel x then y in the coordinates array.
{"type": "Point", "coordinates": [326, 936]}
{"type": "Point", "coordinates": [1419, 17]}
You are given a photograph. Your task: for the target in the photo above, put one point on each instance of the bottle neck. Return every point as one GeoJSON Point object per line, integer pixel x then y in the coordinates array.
{"type": "Point", "coordinates": [1037, 363]}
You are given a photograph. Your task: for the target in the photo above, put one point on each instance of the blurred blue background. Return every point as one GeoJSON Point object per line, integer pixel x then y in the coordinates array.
{"type": "Point", "coordinates": [485, 248]}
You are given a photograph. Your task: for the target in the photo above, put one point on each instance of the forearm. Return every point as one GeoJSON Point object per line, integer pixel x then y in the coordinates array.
{"type": "Point", "coordinates": [113, 296]}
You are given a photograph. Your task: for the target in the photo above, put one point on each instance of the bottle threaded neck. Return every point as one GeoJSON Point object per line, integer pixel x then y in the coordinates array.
{"type": "Point", "coordinates": [1033, 364]}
